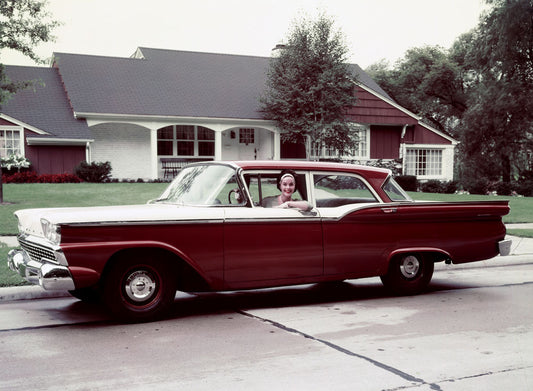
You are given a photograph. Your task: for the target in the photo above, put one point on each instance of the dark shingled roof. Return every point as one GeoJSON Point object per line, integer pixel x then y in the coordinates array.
{"type": "Point", "coordinates": [45, 106]}
{"type": "Point", "coordinates": [170, 83]}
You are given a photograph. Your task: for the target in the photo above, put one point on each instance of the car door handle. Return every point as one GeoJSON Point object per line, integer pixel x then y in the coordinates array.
{"type": "Point", "coordinates": [389, 210]}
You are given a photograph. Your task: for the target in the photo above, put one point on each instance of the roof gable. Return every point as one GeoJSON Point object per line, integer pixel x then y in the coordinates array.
{"type": "Point", "coordinates": [50, 114]}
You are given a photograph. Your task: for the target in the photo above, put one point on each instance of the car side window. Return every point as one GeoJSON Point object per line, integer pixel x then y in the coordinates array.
{"type": "Point", "coordinates": [336, 190]}
{"type": "Point", "coordinates": [264, 185]}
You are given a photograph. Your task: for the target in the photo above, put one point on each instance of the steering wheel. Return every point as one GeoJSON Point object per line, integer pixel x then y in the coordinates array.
{"type": "Point", "coordinates": [234, 194]}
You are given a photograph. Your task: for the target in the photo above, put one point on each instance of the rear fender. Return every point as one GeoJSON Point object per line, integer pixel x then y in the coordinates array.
{"type": "Point", "coordinates": [439, 254]}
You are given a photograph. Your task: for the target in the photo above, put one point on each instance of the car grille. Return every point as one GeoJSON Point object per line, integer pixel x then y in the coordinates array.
{"type": "Point", "coordinates": [37, 252]}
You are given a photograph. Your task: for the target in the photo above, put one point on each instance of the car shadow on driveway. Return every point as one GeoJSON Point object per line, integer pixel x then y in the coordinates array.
{"type": "Point", "coordinates": [210, 303]}
{"type": "Point", "coordinates": [290, 296]}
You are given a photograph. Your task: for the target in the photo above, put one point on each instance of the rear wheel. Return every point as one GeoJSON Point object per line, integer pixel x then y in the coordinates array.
{"type": "Point", "coordinates": [409, 274]}
{"type": "Point", "coordinates": [139, 289]}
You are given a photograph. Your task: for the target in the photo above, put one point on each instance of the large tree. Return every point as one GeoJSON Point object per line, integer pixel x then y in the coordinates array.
{"type": "Point", "coordinates": [310, 86]}
{"type": "Point", "coordinates": [479, 90]}
{"type": "Point", "coordinates": [498, 125]}
{"type": "Point", "coordinates": [24, 24]}
{"type": "Point", "coordinates": [427, 83]}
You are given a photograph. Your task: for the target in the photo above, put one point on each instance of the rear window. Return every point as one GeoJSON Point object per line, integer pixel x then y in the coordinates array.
{"type": "Point", "coordinates": [337, 190]}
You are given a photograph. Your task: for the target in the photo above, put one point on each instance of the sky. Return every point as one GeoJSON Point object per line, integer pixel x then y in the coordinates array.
{"type": "Point", "coordinates": [374, 29]}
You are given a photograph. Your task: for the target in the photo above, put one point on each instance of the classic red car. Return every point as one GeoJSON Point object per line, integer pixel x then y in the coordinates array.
{"type": "Point", "coordinates": [209, 232]}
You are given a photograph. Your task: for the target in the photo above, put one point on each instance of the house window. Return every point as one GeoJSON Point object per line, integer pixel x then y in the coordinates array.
{"type": "Point", "coordinates": [360, 151]}
{"type": "Point", "coordinates": [10, 142]}
{"type": "Point", "coordinates": [246, 136]}
{"type": "Point", "coordinates": [206, 142]}
{"type": "Point", "coordinates": [165, 137]}
{"type": "Point", "coordinates": [423, 162]}
{"type": "Point", "coordinates": [185, 141]}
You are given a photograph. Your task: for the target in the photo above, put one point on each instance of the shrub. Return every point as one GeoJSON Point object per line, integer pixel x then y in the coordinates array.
{"type": "Point", "coordinates": [21, 177]}
{"type": "Point", "coordinates": [524, 187]}
{"type": "Point", "coordinates": [407, 182]}
{"type": "Point", "coordinates": [450, 187]}
{"type": "Point", "coordinates": [432, 186]}
{"type": "Point", "coordinates": [32, 177]}
{"type": "Point", "coordinates": [93, 172]}
{"type": "Point", "coordinates": [59, 178]}
{"type": "Point", "coordinates": [480, 186]}
{"type": "Point", "coordinates": [503, 188]}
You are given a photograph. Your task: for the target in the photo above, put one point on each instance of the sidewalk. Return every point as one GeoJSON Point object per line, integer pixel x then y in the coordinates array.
{"type": "Point", "coordinates": [521, 252]}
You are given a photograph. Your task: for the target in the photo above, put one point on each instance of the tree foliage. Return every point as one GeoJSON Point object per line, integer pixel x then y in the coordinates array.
{"type": "Point", "coordinates": [479, 90]}
{"type": "Point", "coordinates": [310, 86]}
{"type": "Point", "coordinates": [24, 24]}
{"type": "Point", "coordinates": [498, 125]}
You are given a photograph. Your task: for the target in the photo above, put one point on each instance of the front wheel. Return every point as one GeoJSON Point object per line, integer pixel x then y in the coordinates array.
{"type": "Point", "coordinates": [139, 289]}
{"type": "Point", "coordinates": [408, 274]}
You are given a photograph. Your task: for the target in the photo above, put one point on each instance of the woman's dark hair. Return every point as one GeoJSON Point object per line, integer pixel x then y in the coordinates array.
{"type": "Point", "coordinates": [282, 173]}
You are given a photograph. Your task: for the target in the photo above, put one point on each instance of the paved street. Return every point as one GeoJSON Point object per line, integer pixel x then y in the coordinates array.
{"type": "Point", "coordinates": [472, 330]}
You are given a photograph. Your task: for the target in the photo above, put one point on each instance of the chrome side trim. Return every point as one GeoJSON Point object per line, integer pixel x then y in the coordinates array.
{"type": "Point", "coordinates": [144, 222]}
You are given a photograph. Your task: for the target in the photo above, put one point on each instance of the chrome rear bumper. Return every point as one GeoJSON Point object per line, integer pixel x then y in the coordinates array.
{"type": "Point", "coordinates": [48, 276]}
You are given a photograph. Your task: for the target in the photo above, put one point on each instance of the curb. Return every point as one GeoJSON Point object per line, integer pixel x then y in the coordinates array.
{"type": "Point", "coordinates": [29, 292]}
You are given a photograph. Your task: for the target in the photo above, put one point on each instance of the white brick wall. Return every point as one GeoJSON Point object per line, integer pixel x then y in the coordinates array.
{"type": "Point", "coordinates": [126, 146]}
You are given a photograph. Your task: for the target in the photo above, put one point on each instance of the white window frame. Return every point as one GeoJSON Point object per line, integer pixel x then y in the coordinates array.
{"type": "Point", "coordinates": [424, 162]}
{"type": "Point", "coordinates": [21, 149]}
{"type": "Point", "coordinates": [361, 152]}
{"type": "Point", "coordinates": [194, 140]}
{"type": "Point", "coordinates": [247, 136]}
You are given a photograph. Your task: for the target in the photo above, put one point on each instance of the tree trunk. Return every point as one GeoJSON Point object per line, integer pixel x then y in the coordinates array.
{"type": "Point", "coordinates": [1, 187]}
{"type": "Point", "coordinates": [506, 169]}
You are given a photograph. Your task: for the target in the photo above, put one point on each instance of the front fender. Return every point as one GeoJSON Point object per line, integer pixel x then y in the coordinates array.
{"type": "Point", "coordinates": [87, 261]}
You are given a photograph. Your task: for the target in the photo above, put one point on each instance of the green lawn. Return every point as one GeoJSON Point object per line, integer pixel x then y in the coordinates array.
{"type": "Point", "coordinates": [521, 207]}
{"type": "Point", "coordinates": [7, 277]}
{"type": "Point", "coordinates": [46, 195]}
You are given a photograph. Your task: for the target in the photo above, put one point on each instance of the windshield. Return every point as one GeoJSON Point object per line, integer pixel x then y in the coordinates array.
{"type": "Point", "coordinates": [394, 191]}
{"type": "Point", "coordinates": [201, 185]}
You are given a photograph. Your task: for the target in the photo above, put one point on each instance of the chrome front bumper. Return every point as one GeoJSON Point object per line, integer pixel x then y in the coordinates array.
{"type": "Point", "coordinates": [49, 276]}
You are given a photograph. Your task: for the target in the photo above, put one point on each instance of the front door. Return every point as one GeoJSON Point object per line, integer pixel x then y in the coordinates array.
{"type": "Point", "coordinates": [247, 144]}
{"type": "Point", "coordinates": [271, 246]}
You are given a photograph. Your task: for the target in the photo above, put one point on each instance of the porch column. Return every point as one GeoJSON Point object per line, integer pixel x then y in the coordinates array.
{"type": "Point", "coordinates": [154, 166]}
{"type": "Point", "coordinates": [218, 145]}
{"type": "Point", "coordinates": [277, 146]}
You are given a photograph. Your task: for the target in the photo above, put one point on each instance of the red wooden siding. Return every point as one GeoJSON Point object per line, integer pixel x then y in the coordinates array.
{"type": "Point", "coordinates": [369, 109]}
{"type": "Point", "coordinates": [55, 159]}
{"type": "Point", "coordinates": [4, 122]}
{"type": "Point", "coordinates": [385, 142]}
{"type": "Point", "coordinates": [422, 135]}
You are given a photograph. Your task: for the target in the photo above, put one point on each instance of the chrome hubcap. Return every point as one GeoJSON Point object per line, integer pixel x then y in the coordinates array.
{"type": "Point", "coordinates": [410, 266]}
{"type": "Point", "coordinates": [140, 286]}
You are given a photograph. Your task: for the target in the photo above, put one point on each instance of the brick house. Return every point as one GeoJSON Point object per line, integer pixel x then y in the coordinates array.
{"type": "Point", "coordinates": [162, 105]}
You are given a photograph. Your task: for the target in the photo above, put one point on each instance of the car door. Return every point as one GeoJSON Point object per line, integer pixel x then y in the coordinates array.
{"type": "Point", "coordinates": [269, 246]}
{"type": "Point", "coordinates": [354, 240]}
